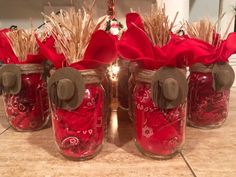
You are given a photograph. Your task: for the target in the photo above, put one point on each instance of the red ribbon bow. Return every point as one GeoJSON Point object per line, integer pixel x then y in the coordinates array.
{"type": "Point", "coordinates": [135, 45]}
{"type": "Point", "coordinates": [178, 52]}
{"type": "Point", "coordinates": [206, 53]}
{"type": "Point", "coordinates": [100, 51]}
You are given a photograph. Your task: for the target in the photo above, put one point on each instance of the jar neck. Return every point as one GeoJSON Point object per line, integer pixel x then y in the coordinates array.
{"type": "Point", "coordinates": [146, 75]}
{"type": "Point", "coordinates": [30, 68]}
{"type": "Point", "coordinates": [123, 63]}
{"type": "Point", "coordinates": [91, 76]}
{"type": "Point", "coordinates": [199, 67]}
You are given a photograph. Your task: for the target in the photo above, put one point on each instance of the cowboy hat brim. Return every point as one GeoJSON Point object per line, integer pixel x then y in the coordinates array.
{"type": "Point", "coordinates": [165, 82]}
{"type": "Point", "coordinates": [77, 97]}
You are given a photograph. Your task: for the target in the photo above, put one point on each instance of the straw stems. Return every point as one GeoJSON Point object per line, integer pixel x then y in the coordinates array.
{"type": "Point", "coordinates": [202, 30]}
{"type": "Point", "coordinates": [157, 25]}
{"type": "Point", "coordinates": [228, 27]}
{"type": "Point", "coordinates": [72, 31]}
{"type": "Point", "coordinates": [23, 43]}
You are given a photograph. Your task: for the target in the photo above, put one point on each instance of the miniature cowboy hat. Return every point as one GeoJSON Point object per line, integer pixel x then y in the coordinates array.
{"type": "Point", "coordinates": [10, 79]}
{"type": "Point", "coordinates": [223, 76]}
{"type": "Point", "coordinates": [169, 87]}
{"type": "Point", "coordinates": [66, 88]}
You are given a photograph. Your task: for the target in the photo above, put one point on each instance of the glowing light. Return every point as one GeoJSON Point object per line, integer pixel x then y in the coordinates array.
{"type": "Point", "coordinates": [113, 71]}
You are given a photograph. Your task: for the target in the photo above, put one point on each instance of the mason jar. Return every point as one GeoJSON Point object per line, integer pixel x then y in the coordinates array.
{"type": "Point", "coordinates": [77, 102]}
{"type": "Point", "coordinates": [133, 70]}
{"type": "Point", "coordinates": [131, 85]}
{"type": "Point", "coordinates": [106, 84]}
{"type": "Point", "coordinates": [159, 110]}
{"type": "Point", "coordinates": [25, 96]}
{"type": "Point", "coordinates": [208, 96]}
{"type": "Point", "coordinates": [123, 87]}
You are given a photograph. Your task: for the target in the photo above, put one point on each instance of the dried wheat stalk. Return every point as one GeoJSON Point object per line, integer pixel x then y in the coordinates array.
{"type": "Point", "coordinates": [72, 31]}
{"type": "Point", "coordinates": [157, 25]}
{"type": "Point", "coordinates": [23, 43]}
{"type": "Point", "coordinates": [202, 30]}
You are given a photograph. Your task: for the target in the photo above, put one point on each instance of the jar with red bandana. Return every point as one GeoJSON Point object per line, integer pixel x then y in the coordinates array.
{"type": "Point", "coordinates": [208, 96]}
{"type": "Point", "coordinates": [25, 96]}
{"type": "Point", "coordinates": [77, 100]}
{"type": "Point", "coordinates": [159, 109]}
{"type": "Point", "coordinates": [123, 84]}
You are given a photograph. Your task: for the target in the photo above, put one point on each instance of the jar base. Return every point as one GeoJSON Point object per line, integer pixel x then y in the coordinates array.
{"type": "Point", "coordinates": [206, 127]}
{"type": "Point", "coordinates": [154, 156]}
{"type": "Point", "coordinates": [123, 108]}
{"type": "Point", "coordinates": [131, 117]}
{"type": "Point", "coordinates": [46, 124]}
{"type": "Point", "coordinates": [84, 158]}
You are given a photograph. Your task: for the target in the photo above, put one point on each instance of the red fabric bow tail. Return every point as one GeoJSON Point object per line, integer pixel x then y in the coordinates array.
{"type": "Point", "coordinates": [135, 46]}
{"type": "Point", "coordinates": [205, 53]}
{"type": "Point", "coordinates": [48, 50]}
{"type": "Point", "coordinates": [100, 51]}
{"type": "Point", "coordinates": [7, 54]}
{"type": "Point", "coordinates": [202, 52]}
{"type": "Point", "coordinates": [134, 19]}
{"type": "Point", "coordinates": [176, 52]}
{"type": "Point", "coordinates": [35, 59]}
{"type": "Point", "coordinates": [228, 47]}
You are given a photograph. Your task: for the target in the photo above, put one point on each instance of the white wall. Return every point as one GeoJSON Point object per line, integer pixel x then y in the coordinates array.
{"type": "Point", "coordinates": [203, 9]}
{"type": "Point", "coordinates": [228, 6]}
{"type": "Point", "coordinates": [18, 12]}
{"type": "Point", "coordinates": [173, 6]}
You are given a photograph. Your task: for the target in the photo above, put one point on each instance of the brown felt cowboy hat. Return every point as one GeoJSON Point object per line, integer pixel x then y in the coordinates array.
{"type": "Point", "coordinates": [66, 88]}
{"type": "Point", "coordinates": [223, 76]}
{"type": "Point", "coordinates": [169, 87]}
{"type": "Point", "coordinates": [10, 79]}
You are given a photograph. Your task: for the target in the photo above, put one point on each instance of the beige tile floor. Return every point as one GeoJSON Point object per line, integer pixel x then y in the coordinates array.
{"type": "Point", "coordinates": [205, 154]}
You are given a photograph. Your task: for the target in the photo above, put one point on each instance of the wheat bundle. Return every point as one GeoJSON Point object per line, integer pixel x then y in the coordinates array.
{"type": "Point", "coordinates": [205, 30]}
{"type": "Point", "coordinates": [157, 25]}
{"type": "Point", "coordinates": [23, 43]}
{"type": "Point", "coordinates": [202, 30]}
{"type": "Point", "coordinates": [72, 31]}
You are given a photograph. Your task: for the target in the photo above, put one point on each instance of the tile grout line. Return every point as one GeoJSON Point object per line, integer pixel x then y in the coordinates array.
{"type": "Point", "coordinates": [5, 130]}
{"type": "Point", "coordinates": [189, 166]}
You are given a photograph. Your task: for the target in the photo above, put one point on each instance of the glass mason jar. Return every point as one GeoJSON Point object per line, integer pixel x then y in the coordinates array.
{"type": "Point", "coordinates": [77, 101]}
{"type": "Point", "coordinates": [160, 120]}
{"type": "Point", "coordinates": [208, 96]}
{"type": "Point", "coordinates": [25, 96]}
{"type": "Point", "coordinates": [123, 79]}
{"type": "Point", "coordinates": [133, 70]}
{"type": "Point", "coordinates": [106, 84]}
{"type": "Point", "coordinates": [131, 85]}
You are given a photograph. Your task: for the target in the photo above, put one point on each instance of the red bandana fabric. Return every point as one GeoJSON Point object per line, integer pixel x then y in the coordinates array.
{"type": "Point", "coordinates": [135, 46]}
{"type": "Point", "coordinates": [159, 132]}
{"type": "Point", "coordinates": [205, 53]}
{"type": "Point", "coordinates": [79, 133]}
{"type": "Point", "coordinates": [100, 51]}
{"type": "Point", "coordinates": [206, 107]}
{"type": "Point", "coordinates": [29, 109]}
